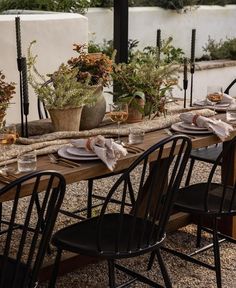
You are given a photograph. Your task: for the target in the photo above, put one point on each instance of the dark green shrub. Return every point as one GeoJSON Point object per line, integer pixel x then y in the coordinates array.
{"type": "Point", "coordinates": [222, 49]}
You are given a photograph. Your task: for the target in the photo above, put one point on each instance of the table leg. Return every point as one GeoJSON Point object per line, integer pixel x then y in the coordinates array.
{"type": "Point", "coordinates": [228, 225]}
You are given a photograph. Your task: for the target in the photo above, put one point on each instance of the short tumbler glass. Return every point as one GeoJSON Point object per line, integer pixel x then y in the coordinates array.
{"type": "Point", "coordinates": [27, 162]}
{"type": "Point", "coordinates": [231, 113]}
{"type": "Point", "coordinates": [136, 135]}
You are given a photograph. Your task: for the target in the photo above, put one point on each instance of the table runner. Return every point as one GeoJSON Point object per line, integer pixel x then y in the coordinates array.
{"type": "Point", "coordinates": [49, 143]}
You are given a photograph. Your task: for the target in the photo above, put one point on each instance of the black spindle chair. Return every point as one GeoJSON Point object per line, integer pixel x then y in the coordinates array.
{"type": "Point", "coordinates": [123, 232]}
{"type": "Point", "coordinates": [211, 201]}
{"type": "Point", "coordinates": [24, 241]}
{"type": "Point", "coordinates": [206, 154]}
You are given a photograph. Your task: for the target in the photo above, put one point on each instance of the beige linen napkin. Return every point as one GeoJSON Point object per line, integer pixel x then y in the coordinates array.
{"type": "Point", "coordinates": [218, 127]}
{"type": "Point", "coordinates": [226, 99]}
{"type": "Point", "coordinates": [106, 149]}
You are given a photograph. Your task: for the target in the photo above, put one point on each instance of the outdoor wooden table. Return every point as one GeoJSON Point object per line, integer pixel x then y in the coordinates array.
{"type": "Point", "coordinates": [96, 168]}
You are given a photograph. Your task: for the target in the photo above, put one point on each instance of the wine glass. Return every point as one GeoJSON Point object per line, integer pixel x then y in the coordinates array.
{"type": "Point", "coordinates": [214, 95]}
{"type": "Point", "coordinates": [118, 113]}
{"type": "Point", "coordinates": [7, 137]}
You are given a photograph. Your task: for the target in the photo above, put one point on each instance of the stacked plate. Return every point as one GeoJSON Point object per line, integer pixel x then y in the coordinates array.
{"type": "Point", "coordinates": [74, 153]}
{"type": "Point", "coordinates": [189, 128]}
{"type": "Point", "coordinates": [220, 107]}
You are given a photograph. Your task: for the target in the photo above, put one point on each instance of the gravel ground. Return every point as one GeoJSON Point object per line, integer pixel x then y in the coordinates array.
{"type": "Point", "coordinates": [182, 274]}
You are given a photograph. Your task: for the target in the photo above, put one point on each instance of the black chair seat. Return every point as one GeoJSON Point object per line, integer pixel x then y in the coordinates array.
{"type": "Point", "coordinates": [191, 199]}
{"type": "Point", "coordinates": [208, 154]}
{"type": "Point", "coordinates": [82, 237]}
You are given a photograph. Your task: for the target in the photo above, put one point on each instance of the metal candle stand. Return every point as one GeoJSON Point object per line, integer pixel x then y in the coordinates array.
{"type": "Point", "coordinates": [22, 68]}
{"type": "Point", "coordinates": [185, 80]}
{"type": "Point", "coordinates": [192, 64]}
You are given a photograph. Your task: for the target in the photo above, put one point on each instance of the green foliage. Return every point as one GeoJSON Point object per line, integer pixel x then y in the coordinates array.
{"type": "Point", "coordinates": [60, 89]}
{"type": "Point", "coordinates": [168, 51]}
{"type": "Point", "coordinates": [81, 6]}
{"type": "Point", "coordinates": [222, 49]}
{"type": "Point", "coordinates": [46, 5]}
{"type": "Point", "coordinates": [107, 47]}
{"type": "Point", "coordinates": [147, 74]}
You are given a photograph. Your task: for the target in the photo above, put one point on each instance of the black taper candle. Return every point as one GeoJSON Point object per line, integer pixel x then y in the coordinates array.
{"type": "Point", "coordinates": [18, 43]}
{"type": "Point", "coordinates": [158, 43]}
{"type": "Point", "coordinates": [25, 87]}
{"type": "Point", "coordinates": [193, 43]}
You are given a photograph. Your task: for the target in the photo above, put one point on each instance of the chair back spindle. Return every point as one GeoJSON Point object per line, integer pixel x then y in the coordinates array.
{"type": "Point", "coordinates": [142, 226]}
{"type": "Point", "coordinates": [28, 231]}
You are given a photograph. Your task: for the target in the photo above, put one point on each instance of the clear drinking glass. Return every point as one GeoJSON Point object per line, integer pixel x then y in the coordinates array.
{"type": "Point", "coordinates": [7, 138]}
{"type": "Point", "coordinates": [214, 94]}
{"type": "Point", "coordinates": [27, 162]}
{"type": "Point", "coordinates": [118, 113]}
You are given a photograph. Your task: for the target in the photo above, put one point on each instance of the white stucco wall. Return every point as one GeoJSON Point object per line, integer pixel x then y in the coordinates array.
{"type": "Point", "coordinates": [215, 21]}
{"type": "Point", "coordinates": [203, 78]}
{"type": "Point", "coordinates": [55, 35]}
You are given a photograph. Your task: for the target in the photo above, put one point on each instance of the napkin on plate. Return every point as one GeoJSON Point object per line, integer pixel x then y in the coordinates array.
{"type": "Point", "coordinates": [226, 99]}
{"type": "Point", "coordinates": [218, 127]}
{"type": "Point", "coordinates": [106, 149]}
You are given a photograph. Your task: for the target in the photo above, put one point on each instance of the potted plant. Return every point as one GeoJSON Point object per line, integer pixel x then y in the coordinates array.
{"type": "Point", "coordinates": [97, 67]}
{"type": "Point", "coordinates": [7, 90]}
{"type": "Point", "coordinates": [146, 75]}
{"type": "Point", "coordinates": [61, 93]}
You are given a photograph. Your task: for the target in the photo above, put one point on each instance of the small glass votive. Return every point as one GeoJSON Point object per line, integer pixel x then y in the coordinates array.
{"type": "Point", "coordinates": [231, 113]}
{"type": "Point", "coordinates": [27, 162]}
{"type": "Point", "coordinates": [136, 135]}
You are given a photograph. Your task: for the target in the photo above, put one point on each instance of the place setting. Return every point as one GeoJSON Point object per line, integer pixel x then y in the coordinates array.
{"type": "Point", "coordinates": [216, 99]}
{"type": "Point", "coordinates": [192, 123]}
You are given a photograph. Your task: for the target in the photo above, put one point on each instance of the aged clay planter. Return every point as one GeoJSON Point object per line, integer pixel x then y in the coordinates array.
{"type": "Point", "coordinates": [66, 119]}
{"type": "Point", "coordinates": [92, 116]}
{"type": "Point", "coordinates": [133, 114]}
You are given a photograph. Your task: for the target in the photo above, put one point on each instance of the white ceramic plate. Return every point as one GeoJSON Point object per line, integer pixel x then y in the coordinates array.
{"type": "Point", "coordinates": [80, 152]}
{"type": "Point", "coordinates": [178, 128]}
{"type": "Point", "coordinates": [63, 153]}
{"type": "Point", "coordinates": [218, 107]}
{"type": "Point", "coordinates": [192, 127]}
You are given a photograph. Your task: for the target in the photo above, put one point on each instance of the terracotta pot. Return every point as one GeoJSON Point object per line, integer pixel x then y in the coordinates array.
{"type": "Point", "coordinates": [66, 119]}
{"type": "Point", "coordinates": [133, 114]}
{"type": "Point", "coordinates": [92, 116]}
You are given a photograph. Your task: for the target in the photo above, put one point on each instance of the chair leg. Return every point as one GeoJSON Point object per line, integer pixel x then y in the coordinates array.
{"type": "Point", "coordinates": [216, 254]}
{"type": "Point", "coordinates": [192, 161]}
{"type": "Point", "coordinates": [89, 200]}
{"type": "Point", "coordinates": [151, 260]}
{"type": "Point", "coordinates": [199, 232]}
{"type": "Point", "coordinates": [163, 269]}
{"type": "Point", "coordinates": [55, 270]}
{"type": "Point", "coordinates": [111, 271]}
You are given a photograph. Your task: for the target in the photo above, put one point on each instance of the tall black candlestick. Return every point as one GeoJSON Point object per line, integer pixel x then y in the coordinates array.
{"type": "Point", "coordinates": [25, 94]}
{"type": "Point", "coordinates": [158, 43]}
{"type": "Point", "coordinates": [19, 66]}
{"type": "Point", "coordinates": [25, 84]}
{"type": "Point", "coordinates": [192, 68]}
{"type": "Point", "coordinates": [185, 80]}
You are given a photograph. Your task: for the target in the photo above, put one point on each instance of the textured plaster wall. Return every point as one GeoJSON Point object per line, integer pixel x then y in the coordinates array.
{"type": "Point", "coordinates": [55, 35]}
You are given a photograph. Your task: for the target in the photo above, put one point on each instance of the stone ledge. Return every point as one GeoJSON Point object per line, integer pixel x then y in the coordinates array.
{"type": "Point", "coordinates": [214, 64]}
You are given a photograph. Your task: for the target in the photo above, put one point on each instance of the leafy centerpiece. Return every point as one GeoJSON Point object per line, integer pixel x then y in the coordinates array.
{"type": "Point", "coordinates": [146, 77]}
{"type": "Point", "coordinates": [62, 92]}
{"type": "Point", "coordinates": [97, 67]}
{"type": "Point", "coordinates": [7, 91]}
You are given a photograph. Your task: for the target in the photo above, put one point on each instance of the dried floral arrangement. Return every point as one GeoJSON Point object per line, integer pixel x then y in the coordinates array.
{"type": "Point", "coordinates": [7, 90]}
{"type": "Point", "coordinates": [96, 66]}
{"type": "Point", "coordinates": [62, 88]}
